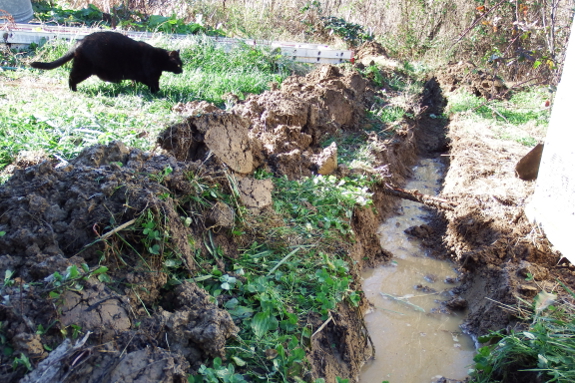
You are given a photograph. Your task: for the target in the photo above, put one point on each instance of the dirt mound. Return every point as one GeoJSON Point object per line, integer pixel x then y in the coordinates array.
{"type": "Point", "coordinates": [61, 224]}
{"type": "Point", "coordinates": [369, 49]}
{"type": "Point", "coordinates": [475, 81]}
{"type": "Point", "coordinates": [282, 129]}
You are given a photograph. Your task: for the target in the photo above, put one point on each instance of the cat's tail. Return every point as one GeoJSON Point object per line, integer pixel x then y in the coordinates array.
{"type": "Point", "coordinates": [54, 64]}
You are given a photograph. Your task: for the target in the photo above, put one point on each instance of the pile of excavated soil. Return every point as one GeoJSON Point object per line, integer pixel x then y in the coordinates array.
{"type": "Point", "coordinates": [91, 211]}
{"type": "Point", "coordinates": [476, 81]}
{"type": "Point", "coordinates": [56, 217]}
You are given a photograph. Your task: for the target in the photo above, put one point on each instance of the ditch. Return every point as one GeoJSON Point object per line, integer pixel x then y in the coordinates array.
{"type": "Point", "coordinates": [415, 334]}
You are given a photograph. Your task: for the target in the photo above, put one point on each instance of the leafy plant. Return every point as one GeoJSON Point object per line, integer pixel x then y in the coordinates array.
{"type": "Point", "coordinates": [270, 302]}
{"type": "Point", "coordinates": [353, 34]}
{"type": "Point", "coordinates": [47, 13]}
{"type": "Point", "coordinates": [320, 202]}
{"type": "Point", "coordinates": [22, 360]}
{"type": "Point", "coordinates": [73, 277]}
{"type": "Point", "coordinates": [8, 274]}
{"type": "Point", "coordinates": [218, 373]}
{"type": "Point", "coordinates": [545, 348]}
{"type": "Point", "coordinates": [120, 17]}
{"type": "Point", "coordinates": [179, 26]}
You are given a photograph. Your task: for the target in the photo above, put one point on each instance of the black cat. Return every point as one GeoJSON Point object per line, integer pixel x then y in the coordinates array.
{"type": "Point", "coordinates": [114, 57]}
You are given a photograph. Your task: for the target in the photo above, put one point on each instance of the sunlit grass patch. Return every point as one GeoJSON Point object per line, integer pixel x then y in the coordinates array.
{"type": "Point", "coordinates": [63, 123]}
{"type": "Point", "coordinates": [523, 118]}
{"type": "Point", "coordinates": [38, 111]}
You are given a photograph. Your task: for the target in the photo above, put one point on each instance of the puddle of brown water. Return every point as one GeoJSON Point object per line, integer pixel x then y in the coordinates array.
{"type": "Point", "coordinates": [412, 344]}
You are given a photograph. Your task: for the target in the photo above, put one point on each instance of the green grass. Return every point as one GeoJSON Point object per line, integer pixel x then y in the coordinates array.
{"type": "Point", "coordinates": [275, 286]}
{"type": "Point", "coordinates": [521, 108]}
{"type": "Point", "coordinates": [522, 118]}
{"type": "Point", "coordinates": [37, 111]}
{"type": "Point", "coordinates": [546, 347]}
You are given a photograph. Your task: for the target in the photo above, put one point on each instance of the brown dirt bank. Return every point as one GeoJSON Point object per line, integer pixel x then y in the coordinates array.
{"type": "Point", "coordinates": [488, 233]}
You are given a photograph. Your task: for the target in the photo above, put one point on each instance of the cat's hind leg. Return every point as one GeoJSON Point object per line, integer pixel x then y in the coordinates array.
{"type": "Point", "coordinates": [79, 73]}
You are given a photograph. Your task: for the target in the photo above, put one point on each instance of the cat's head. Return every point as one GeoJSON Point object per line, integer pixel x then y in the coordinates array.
{"type": "Point", "coordinates": [174, 62]}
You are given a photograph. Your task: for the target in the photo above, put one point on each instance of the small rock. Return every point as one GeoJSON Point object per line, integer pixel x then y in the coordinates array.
{"type": "Point", "coordinates": [456, 303]}
{"type": "Point", "coordinates": [421, 231]}
{"type": "Point", "coordinates": [424, 289]}
{"type": "Point", "coordinates": [528, 291]}
{"type": "Point", "coordinates": [326, 161]}
{"type": "Point", "coordinates": [430, 278]}
{"type": "Point", "coordinates": [221, 215]}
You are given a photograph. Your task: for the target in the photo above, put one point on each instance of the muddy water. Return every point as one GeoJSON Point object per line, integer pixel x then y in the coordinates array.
{"type": "Point", "coordinates": [414, 343]}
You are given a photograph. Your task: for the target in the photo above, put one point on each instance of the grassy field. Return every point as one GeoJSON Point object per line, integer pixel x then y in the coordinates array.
{"type": "Point", "coordinates": [39, 112]}
{"type": "Point", "coordinates": [523, 117]}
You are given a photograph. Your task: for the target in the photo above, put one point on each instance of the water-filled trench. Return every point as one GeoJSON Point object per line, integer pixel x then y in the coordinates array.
{"type": "Point", "coordinates": [415, 339]}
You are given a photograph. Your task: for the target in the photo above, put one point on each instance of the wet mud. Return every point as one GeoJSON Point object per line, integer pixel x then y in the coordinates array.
{"type": "Point", "coordinates": [412, 299]}
{"type": "Point", "coordinates": [58, 215]}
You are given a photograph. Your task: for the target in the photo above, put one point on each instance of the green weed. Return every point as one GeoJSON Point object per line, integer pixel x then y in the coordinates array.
{"type": "Point", "coordinates": [282, 289]}
{"type": "Point", "coordinates": [217, 373]}
{"type": "Point", "coordinates": [320, 202]}
{"type": "Point", "coordinates": [122, 17]}
{"type": "Point", "coordinates": [23, 361]}
{"type": "Point", "coordinates": [272, 288]}
{"type": "Point", "coordinates": [389, 114]}
{"type": "Point", "coordinates": [72, 279]}
{"type": "Point", "coordinates": [272, 307]}
{"type": "Point", "coordinates": [546, 348]}
{"type": "Point", "coordinates": [353, 34]}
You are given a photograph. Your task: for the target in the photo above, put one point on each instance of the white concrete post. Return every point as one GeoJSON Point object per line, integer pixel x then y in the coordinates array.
{"type": "Point", "coordinates": [553, 203]}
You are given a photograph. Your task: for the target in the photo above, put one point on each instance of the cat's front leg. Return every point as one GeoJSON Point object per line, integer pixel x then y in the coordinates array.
{"type": "Point", "coordinates": [154, 85]}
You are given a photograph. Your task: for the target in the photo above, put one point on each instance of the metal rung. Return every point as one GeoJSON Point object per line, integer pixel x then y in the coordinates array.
{"type": "Point", "coordinates": [301, 52]}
